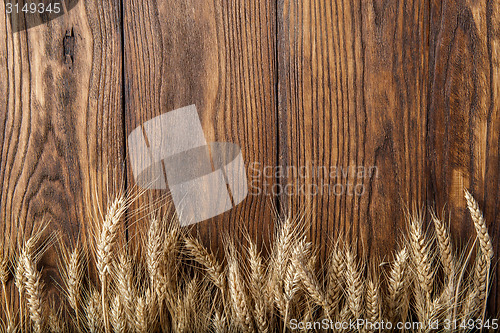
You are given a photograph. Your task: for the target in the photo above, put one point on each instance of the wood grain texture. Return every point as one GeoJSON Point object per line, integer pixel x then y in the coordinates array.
{"type": "Point", "coordinates": [464, 118]}
{"type": "Point", "coordinates": [60, 123]}
{"type": "Point", "coordinates": [353, 93]}
{"type": "Point", "coordinates": [220, 57]}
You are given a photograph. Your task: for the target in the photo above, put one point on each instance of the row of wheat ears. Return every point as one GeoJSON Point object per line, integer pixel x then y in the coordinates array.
{"type": "Point", "coordinates": [173, 283]}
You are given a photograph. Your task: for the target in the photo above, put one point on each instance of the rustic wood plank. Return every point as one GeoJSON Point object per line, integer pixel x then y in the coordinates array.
{"type": "Point", "coordinates": [220, 57]}
{"type": "Point", "coordinates": [60, 123]}
{"type": "Point", "coordinates": [353, 93]}
{"type": "Point", "coordinates": [464, 119]}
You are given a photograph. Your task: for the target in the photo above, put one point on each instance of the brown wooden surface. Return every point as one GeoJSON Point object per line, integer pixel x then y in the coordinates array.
{"type": "Point", "coordinates": [353, 94]}
{"type": "Point", "coordinates": [464, 118]}
{"type": "Point", "coordinates": [60, 122]}
{"type": "Point", "coordinates": [219, 56]}
{"type": "Point", "coordinates": [411, 87]}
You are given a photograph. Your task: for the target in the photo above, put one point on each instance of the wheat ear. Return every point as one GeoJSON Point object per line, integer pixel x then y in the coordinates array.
{"type": "Point", "coordinates": [237, 291]}
{"type": "Point", "coordinates": [106, 240]}
{"type": "Point", "coordinates": [34, 292]}
{"type": "Point", "coordinates": [484, 257]}
{"type": "Point", "coordinates": [309, 281]}
{"type": "Point", "coordinates": [154, 251]}
{"type": "Point", "coordinates": [257, 285]}
{"type": "Point", "coordinates": [444, 242]}
{"type": "Point", "coordinates": [71, 269]}
{"type": "Point", "coordinates": [373, 304]}
{"type": "Point", "coordinates": [354, 284]}
{"type": "Point", "coordinates": [335, 269]}
{"type": "Point", "coordinates": [202, 256]}
{"type": "Point", "coordinates": [422, 269]}
{"type": "Point", "coordinates": [219, 322]}
{"type": "Point", "coordinates": [93, 311]}
{"type": "Point", "coordinates": [141, 316]}
{"type": "Point", "coordinates": [125, 285]}
{"type": "Point", "coordinates": [118, 317]}
{"type": "Point", "coordinates": [167, 284]}
{"type": "Point", "coordinates": [397, 283]}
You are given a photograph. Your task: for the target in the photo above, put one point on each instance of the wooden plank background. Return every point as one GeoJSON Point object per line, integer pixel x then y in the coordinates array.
{"type": "Point", "coordinates": [409, 87]}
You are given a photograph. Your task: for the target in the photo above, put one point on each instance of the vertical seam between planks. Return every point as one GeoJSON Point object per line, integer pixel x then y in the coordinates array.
{"type": "Point", "coordinates": [123, 107]}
